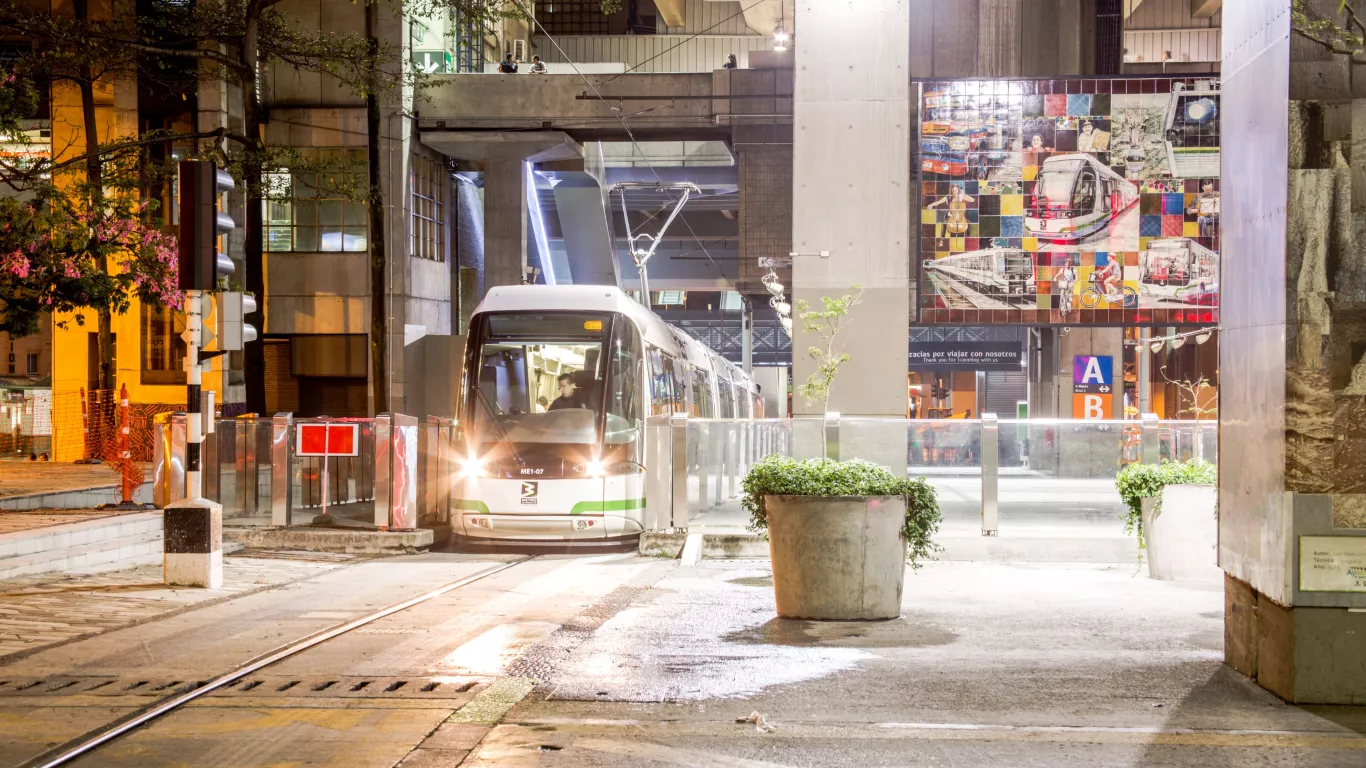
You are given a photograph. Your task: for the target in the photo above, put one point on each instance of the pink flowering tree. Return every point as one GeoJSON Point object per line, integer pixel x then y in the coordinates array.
{"type": "Point", "coordinates": [51, 254]}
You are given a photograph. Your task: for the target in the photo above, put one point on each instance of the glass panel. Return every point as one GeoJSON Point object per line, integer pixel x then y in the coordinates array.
{"type": "Point", "coordinates": [330, 212]}
{"type": "Point", "coordinates": [353, 239]}
{"type": "Point", "coordinates": [305, 239]}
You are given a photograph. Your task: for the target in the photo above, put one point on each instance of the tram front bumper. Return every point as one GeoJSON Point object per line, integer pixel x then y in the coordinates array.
{"type": "Point", "coordinates": [521, 527]}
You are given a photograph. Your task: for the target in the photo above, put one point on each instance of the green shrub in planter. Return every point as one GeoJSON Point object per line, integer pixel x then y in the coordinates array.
{"type": "Point", "coordinates": [781, 476]}
{"type": "Point", "coordinates": [1137, 482]}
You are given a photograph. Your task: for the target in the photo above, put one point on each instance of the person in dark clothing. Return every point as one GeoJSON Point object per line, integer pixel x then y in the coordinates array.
{"type": "Point", "coordinates": [568, 397]}
{"type": "Point", "coordinates": [730, 62]}
{"type": "Point", "coordinates": [508, 67]}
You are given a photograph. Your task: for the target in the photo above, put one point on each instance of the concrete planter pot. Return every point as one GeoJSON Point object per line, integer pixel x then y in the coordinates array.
{"type": "Point", "coordinates": [1182, 536]}
{"type": "Point", "coordinates": [837, 558]}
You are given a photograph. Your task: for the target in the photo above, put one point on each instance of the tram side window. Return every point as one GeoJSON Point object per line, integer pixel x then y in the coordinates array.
{"type": "Point", "coordinates": [701, 394]}
{"type": "Point", "coordinates": [674, 368]}
{"type": "Point", "coordinates": [623, 400]}
{"type": "Point", "coordinates": [661, 383]}
{"type": "Point", "coordinates": [725, 398]}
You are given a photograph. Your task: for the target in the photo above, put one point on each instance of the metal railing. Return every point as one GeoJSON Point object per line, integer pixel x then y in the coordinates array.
{"type": "Point", "coordinates": [399, 479]}
{"type": "Point", "coordinates": [987, 471]}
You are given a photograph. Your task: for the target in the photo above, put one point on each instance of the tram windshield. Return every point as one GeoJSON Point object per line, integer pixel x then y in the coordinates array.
{"type": "Point", "coordinates": [1057, 182]}
{"type": "Point", "coordinates": [540, 379]}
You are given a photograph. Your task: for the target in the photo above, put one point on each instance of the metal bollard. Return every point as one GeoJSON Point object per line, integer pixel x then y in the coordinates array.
{"type": "Point", "coordinates": [281, 449]}
{"type": "Point", "coordinates": [1152, 445]}
{"type": "Point", "coordinates": [990, 471]}
{"type": "Point", "coordinates": [678, 439]}
{"type": "Point", "coordinates": [832, 435]}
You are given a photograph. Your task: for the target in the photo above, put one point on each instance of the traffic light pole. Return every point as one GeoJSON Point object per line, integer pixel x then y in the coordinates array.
{"type": "Point", "coordinates": [194, 418]}
{"type": "Point", "coordinates": [193, 527]}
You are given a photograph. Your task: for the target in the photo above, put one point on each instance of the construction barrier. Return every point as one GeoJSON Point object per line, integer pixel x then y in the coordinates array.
{"type": "Point", "coordinates": [103, 426]}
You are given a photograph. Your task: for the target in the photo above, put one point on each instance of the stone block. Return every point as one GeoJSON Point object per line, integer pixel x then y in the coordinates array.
{"type": "Point", "coordinates": [1275, 648]}
{"type": "Point", "coordinates": [1240, 620]}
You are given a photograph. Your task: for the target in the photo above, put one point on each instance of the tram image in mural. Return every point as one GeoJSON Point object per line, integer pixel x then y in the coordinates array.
{"type": "Point", "coordinates": [1074, 201]}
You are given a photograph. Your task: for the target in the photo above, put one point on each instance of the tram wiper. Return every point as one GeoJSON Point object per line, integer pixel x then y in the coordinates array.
{"type": "Point", "coordinates": [502, 431]}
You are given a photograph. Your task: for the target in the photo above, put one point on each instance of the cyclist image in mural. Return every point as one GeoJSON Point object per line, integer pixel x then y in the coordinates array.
{"type": "Point", "coordinates": [1059, 200]}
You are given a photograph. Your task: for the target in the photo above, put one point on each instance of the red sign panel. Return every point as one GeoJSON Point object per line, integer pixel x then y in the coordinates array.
{"type": "Point", "coordinates": [328, 440]}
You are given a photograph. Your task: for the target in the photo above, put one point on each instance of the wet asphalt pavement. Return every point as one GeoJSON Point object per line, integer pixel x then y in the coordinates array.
{"type": "Point", "coordinates": [619, 660]}
{"type": "Point", "coordinates": [990, 664]}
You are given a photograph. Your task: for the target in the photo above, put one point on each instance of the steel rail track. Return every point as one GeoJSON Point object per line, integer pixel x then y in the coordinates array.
{"type": "Point", "coordinates": [92, 740]}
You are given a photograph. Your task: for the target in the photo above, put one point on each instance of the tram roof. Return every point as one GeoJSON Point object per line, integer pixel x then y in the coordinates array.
{"type": "Point", "coordinates": [608, 298]}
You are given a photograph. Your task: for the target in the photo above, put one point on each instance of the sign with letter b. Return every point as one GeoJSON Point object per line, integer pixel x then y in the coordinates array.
{"type": "Point", "coordinates": [1092, 388]}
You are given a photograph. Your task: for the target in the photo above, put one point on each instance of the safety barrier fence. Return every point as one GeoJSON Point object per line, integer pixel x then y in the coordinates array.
{"type": "Point", "coordinates": [404, 472]}
{"type": "Point", "coordinates": [1035, 471]}
{"type": "Point", "coordinates": [253, 467]}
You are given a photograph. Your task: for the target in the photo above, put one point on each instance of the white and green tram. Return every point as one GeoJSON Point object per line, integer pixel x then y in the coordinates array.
{"type": "Point", "coordinates": [558, 383]}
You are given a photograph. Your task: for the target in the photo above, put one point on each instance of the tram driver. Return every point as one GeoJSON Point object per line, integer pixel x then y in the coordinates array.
{"type": "Point", "coordinates": [568, 398]}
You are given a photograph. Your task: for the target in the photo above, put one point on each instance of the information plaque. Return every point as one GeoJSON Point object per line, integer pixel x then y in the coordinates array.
{"type": "Point", "coordinates": [1333, 563]}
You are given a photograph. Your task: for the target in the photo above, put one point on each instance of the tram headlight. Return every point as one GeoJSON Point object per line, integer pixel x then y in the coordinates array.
{"type": "Point", "coordinates": [594, 468]}
{"type": "Point", "coordinates": [472, 466]}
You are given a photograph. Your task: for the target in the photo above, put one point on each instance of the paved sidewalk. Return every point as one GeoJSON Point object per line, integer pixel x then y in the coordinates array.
{"type": "Point", "coordinates": [24, 478]}
{"type": "Point", "coordinates": [27, 520]}
{"type": "Point", "coordinates": [39, 611]}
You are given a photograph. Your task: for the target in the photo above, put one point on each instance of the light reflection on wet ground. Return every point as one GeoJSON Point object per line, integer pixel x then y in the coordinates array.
{"type": "Point", "coordinates": [700, 637]}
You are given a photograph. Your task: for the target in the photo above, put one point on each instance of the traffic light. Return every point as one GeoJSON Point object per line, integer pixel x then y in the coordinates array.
{"type": "Point", "coordinates": [201, 224]}
{"type": "Point", "coordinates": [233, 331]}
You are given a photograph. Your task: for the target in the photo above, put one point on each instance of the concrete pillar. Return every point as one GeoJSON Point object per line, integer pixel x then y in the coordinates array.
{"type": "Point", "coordinates": [589, 250]}
{"type": "Point", "coordinates": [1292, 515]}
{"type": "Point", "coordinates": [504, 221]}
{"type": "Point", "coordinates": [851, 119]}
{"type": "Point", "coordinates": [504, 156]}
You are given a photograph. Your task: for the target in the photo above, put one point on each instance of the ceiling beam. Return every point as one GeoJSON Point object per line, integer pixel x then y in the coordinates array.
{"type": "Point", "coordinates": [1203, 9]}
{"type": "Point", "coordinates": [672, 11]}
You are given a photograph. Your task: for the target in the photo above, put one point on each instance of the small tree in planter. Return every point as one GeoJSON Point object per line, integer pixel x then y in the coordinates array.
{"type": "Point", "coordinates": [826, 324]}
{"type": "Point", "coordinates": [839, 534]}
{"type": "Point", "coordinates": [1177, 545]}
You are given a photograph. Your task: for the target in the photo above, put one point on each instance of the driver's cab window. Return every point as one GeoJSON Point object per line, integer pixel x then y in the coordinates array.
{"type": "Point", "coordinates": [538, 378]}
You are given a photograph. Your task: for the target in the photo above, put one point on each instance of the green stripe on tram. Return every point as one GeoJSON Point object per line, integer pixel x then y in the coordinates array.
{"type": "Point", "coordinates": [470, 505]}
{"type": "Point", "coordinates": [616, 505]}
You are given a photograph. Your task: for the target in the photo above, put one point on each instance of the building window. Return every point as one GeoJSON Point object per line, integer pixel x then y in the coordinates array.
{"type": "Point", "coordinates": [571, 17]}
{"type": "Point", "coordinates": [427, 186]}
{"type": "Point", "coordinates": [163, 351]}
{"type": "Point", "coordinates": [33, 362]}
{"type": "Point", "coordinates": [316, 207]}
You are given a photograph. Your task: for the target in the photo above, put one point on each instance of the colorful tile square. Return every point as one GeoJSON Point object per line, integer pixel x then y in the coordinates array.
{"type": "Point", "coordinates": [1150, 226]}
{"type": "Point", "coordinates": [1078, 105]}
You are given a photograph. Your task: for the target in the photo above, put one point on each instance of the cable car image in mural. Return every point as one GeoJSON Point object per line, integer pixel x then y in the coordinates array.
{"type": "Point", "coordinates": [1069, 202]}
{"type": "Point", "coordinates": [1192, 135]}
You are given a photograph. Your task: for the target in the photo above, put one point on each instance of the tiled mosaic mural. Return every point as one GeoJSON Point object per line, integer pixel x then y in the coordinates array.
{"type": "Point", "coordinates": [1078, 201]}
